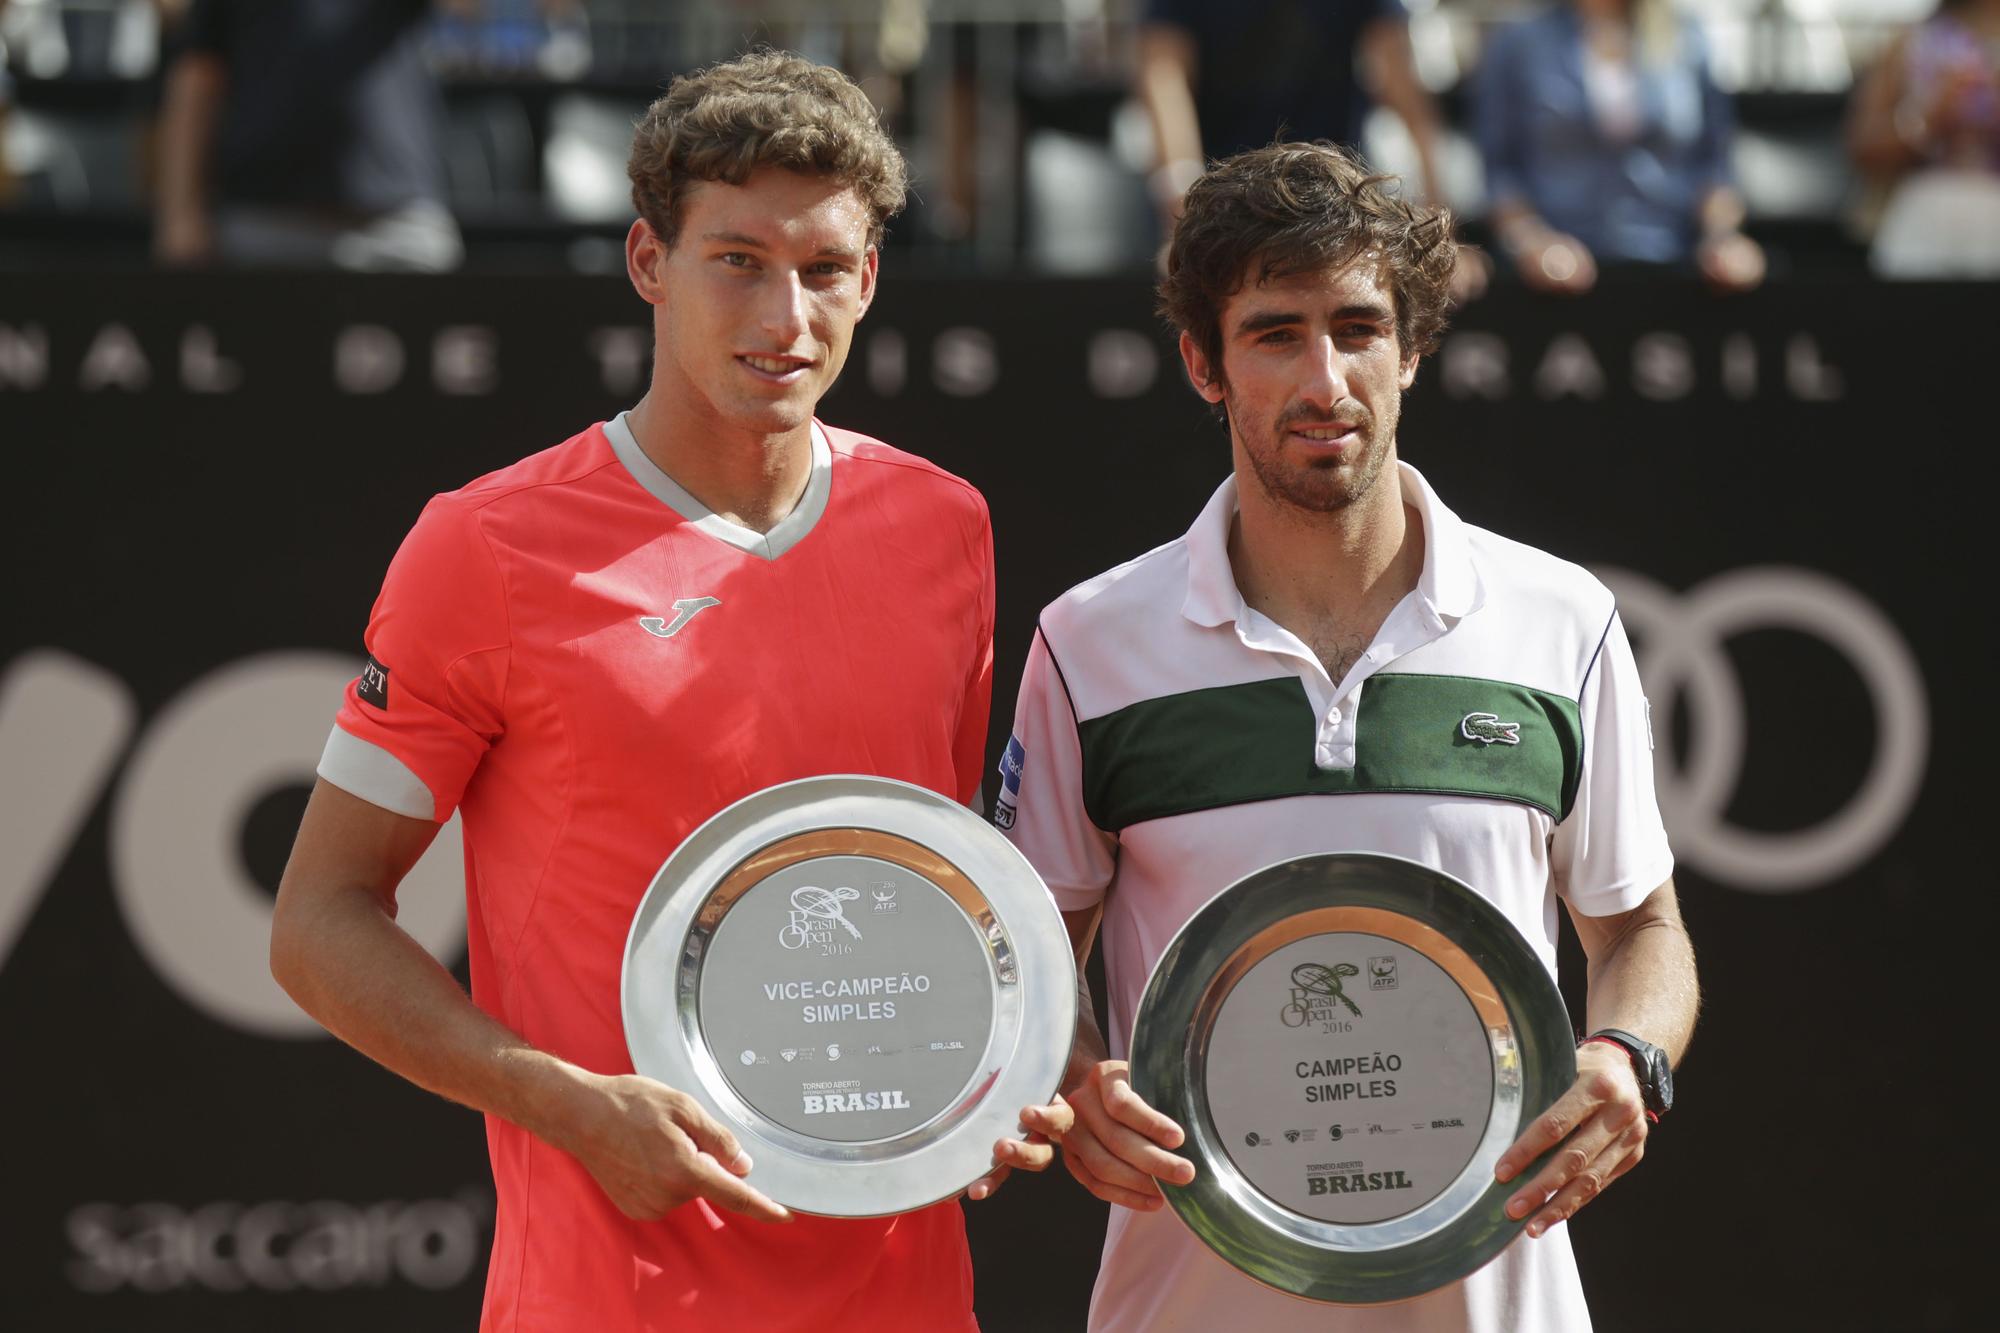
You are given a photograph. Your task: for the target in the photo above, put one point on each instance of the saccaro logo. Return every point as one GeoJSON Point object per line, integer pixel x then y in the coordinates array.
{"type": "Point", "coordinates": [1680, 644]}
{"type": "Point", "coordinates": [160, 1248]}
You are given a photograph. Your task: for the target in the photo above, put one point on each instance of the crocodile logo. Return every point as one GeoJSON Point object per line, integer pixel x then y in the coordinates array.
{"type": "Point", "coordinates": [1488, 729]}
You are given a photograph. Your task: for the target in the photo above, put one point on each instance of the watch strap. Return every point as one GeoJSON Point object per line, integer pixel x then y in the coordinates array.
{"type": "Point", "coordinates": [1648, 1062]}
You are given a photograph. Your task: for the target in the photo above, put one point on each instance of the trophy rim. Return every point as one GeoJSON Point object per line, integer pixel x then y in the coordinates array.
{"type": "Point", "coordinates": [1465, 1225]}
{"type": "Point", "coordinates": [1033, 978]}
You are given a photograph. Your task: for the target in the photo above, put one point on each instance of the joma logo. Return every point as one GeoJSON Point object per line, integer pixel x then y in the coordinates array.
{"type": "Point", "coordinates": [686, 609]}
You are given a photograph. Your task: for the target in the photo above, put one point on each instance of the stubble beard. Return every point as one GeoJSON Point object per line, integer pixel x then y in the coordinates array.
{"type": "Point", "coordinates": [1319, 489]}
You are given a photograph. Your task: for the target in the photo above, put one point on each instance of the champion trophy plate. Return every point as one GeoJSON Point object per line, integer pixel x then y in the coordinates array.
{"type": "Point", "coordinates": [863, 980]}
{"type": "Point", "coordinates": [1350, 1041]}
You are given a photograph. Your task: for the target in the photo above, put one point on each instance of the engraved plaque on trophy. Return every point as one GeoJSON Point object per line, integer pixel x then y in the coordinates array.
{"type": "Point", "coordinates": [863, 980]}
{"type": "Point", "coordinates": [1351, 1041]}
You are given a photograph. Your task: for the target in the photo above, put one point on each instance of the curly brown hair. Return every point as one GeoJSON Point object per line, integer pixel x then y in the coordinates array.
{"type": "Point", "coordinates": [1294, 208]}
{"type": "Point", "coordinates": [767, 108]}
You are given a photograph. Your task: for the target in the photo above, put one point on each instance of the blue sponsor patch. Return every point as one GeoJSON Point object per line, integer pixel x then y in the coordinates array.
{"type": "Point", "coordinates": [1010, 766]}
{"type": "Point", "coordinates": [1010, 783]}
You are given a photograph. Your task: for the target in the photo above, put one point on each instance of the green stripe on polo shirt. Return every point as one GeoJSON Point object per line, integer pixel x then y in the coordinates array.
{"type": "Point", "coordinates": [1232, 744]}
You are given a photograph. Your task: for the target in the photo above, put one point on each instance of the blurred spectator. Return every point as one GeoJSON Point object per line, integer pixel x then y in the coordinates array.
{"type": "Point", "coordinates": [1606, 141]}
{"type": "Point", "coordinates": [1221, 76]}
{"type": "Point", "coordinates": [1925, 126]}
{"type": "Point", "coordinates": [1218, 77]}
{"type": "Point", "coordinates": [300, 133]}
{"type": "Point", "coordinates": [7, 183]}
{"type": "Point", "coordinates": [550, 38]}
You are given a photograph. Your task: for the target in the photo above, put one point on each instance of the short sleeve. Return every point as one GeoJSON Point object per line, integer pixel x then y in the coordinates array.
{"type": "Point", "coordinates": [1041, 790]}
{"type": "Point", "coordinates": [1611, 852]}
{"type": "Point", "coordinates": [414, 725]}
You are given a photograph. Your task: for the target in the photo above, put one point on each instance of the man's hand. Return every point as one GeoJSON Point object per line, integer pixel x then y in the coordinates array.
{"type": "Point", "coordinates": [1117, 1147]}
{"type": "Point", "coordinates": [183, 238]}
{"type": "Point", "coordinates": [1471, 275]}
{"type": "Point", "coordinates": [652, 1149]}
{"type": "Point", "coordinates": [1043, 1126]}
{"type": "Point", "coordinates": [1600, 1123]}
{"type": "Point", "coordinates": [1551, 261]}
{"type": "Point", "coordinates": [1731, 262]}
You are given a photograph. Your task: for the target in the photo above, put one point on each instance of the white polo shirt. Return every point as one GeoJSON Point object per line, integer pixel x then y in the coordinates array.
{"type": "Point", "coordinates": [1170, 740]}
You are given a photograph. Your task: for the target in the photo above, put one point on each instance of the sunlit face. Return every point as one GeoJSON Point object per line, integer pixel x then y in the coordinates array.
{"type": "Point", "coordinates": [755, 302]}
{"type": "Point", "coordinates": [1313, 377]}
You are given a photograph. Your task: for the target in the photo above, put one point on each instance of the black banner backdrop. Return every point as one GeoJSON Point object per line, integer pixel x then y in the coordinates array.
{"type": "Point", "coordinates": [206, 477]}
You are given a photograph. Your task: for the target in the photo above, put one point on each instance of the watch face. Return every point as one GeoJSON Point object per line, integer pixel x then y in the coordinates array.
{"type": "Point", "coordinates": [1663, 1078]}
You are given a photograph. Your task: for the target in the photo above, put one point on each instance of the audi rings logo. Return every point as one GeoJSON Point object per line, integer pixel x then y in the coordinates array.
{"type": "Point", "coordinates": [1680, 645]}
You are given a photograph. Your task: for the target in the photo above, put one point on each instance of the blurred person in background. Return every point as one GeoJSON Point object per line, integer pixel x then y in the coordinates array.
{"type": "Point", "coordinates": [303, 133]}
{"type": "Point", "coordinates": [1925, 128]}
{"type": "Point", "coordinates": [1217, 79]}
{"type": "Point", "coordinates": [1220, 77]}
{"type": "Point", "coordinates": [7, 184]}
{"type": "Point", "coordinates": [1606, 141]}
{"type": "Point", "coordinates": [546, 37]}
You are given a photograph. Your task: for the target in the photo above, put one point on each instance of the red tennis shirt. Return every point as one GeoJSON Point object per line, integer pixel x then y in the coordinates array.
{"type": "Point", "coordinates": [587, 663]}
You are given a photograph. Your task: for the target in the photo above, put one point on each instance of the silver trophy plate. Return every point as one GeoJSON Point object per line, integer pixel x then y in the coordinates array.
{"type": "Point", "coordinates": [863, 980]}
{"type": "Point", "coordinates": [1350, 1041]}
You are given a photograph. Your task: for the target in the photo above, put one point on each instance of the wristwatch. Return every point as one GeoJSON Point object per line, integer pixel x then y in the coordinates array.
{"type": "Point", "coordinates": [1649, 1062]}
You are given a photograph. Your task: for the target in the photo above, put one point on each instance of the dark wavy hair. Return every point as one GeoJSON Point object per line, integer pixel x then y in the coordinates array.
{"type": "Point", "coordinates": [1294, 208]}
{"type": "Point", "coordinates": [764, 109]}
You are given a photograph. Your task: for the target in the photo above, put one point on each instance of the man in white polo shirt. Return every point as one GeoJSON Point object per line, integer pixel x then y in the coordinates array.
{"type": "Point", "coordinates": [1330, 660]}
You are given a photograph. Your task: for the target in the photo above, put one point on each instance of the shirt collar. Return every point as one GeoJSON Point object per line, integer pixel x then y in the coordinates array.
{"type": "Point", "coordinates": [789, 531]}
{"type": "Point", "coordinates": [1449, 584]}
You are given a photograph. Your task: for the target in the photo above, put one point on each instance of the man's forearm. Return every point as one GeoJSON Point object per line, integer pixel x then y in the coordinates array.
{"type": "Point", "coordinates": [1089, 1047]}
{"type": "Point", "coordinates": [187, 130]}
{"type": "Point", "coordinates": [1643, 981]}
{"type": "Point", "coordinates": [1391, 66]}
{"type": "Point", "coordinates": [349, 965]}
{"type": "Point", "coordinates": [1721, 211]}
{"type": "Point", "coordinates": [1166, 57]}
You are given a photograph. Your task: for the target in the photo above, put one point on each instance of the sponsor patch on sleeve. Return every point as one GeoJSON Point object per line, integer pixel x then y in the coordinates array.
{"type": "Point", "coordinates": [1010, 782]}
{"type": "Point", "coordinates": [372, 686]}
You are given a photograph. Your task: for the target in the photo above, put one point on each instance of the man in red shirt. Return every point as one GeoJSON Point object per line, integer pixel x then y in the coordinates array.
{"type": "Point", "coordinates": [589, 653]}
